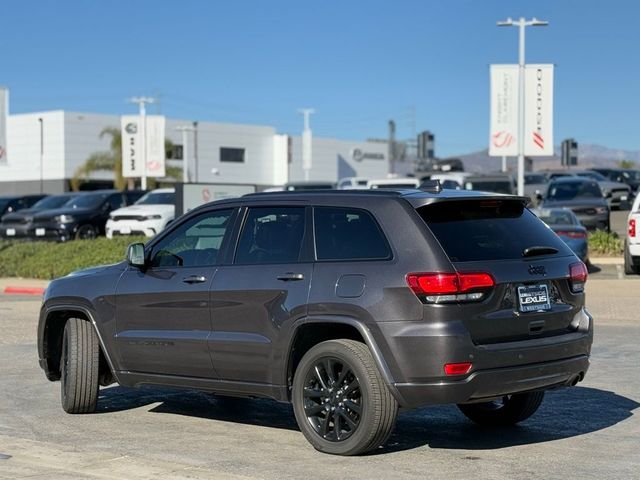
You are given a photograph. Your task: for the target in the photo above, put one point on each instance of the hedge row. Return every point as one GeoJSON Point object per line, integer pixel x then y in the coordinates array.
{"type": "Point", "coordinates": [605, 243]}
{"type": "Point", "coordinates": [48, 260]}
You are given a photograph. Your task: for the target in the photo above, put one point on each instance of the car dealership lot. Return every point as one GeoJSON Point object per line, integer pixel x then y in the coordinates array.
{"type": "Point", "coordinates": [590, 431]}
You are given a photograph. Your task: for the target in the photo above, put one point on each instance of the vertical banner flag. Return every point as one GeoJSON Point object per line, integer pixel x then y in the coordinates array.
{"type": "Point", "coordinates": [134, 145]}
{"type": "Point", "coordinates": [4, 114]}
{"type": "Point", "coordinates": [503, 139]}
{"type": "Point", "coordinates": [538, 110]}
{"type": "Point", "coordinates": [155, 145]}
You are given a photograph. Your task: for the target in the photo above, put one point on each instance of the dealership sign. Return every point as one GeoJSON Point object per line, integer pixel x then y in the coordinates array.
{"type": "Point", "coordinates": [538, 110]}
{"type": "Point", "coordinates": [359, 155]}
{"type": "Point", "coordinates": [135, 150]}
{"type": "Point", "coordinates": [4, 114]}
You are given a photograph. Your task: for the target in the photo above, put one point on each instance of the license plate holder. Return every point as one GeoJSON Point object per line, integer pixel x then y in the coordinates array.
{"type": "Point", "coordinates": [40, 232]}
{"type": "Point", "coordinates": [11, 232]}
{"type": "Point", "coordinates": [534, 298]}
{"type": "Point", "coordinates": [125, 230]}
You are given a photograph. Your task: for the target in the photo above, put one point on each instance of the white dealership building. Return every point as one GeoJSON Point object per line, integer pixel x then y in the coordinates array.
{"type": "Point", "coordinates": [44, 149]}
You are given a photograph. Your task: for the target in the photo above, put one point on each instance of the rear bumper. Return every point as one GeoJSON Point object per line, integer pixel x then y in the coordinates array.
{"type": "Point", "coordinates": [416, 353]}
{"type": "Point", "coordinates": [494, 383]}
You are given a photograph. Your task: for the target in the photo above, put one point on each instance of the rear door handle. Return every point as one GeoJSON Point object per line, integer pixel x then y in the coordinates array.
{"type": "Point", "coordinates": [290, 276]}
{"type": "Point", "coordinates": [194, 279]}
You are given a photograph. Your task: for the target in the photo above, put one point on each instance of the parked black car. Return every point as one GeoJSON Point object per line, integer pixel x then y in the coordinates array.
{"type": "Point", "coordinates": [13, 203]}
{"type": "Point", "coordinates": [83, 217]}
{"type": "Point", "coordinates": [349, 304]}
{"type": "Point", "coordinates": [583, 196]}
{"type": "Point", "coordinates": [19, 224]}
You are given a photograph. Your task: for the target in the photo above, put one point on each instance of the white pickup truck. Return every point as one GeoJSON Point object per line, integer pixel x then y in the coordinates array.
{"type": "Point", "coordinates": [632, 243]}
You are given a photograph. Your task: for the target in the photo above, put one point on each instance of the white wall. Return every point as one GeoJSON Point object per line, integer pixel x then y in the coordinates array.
{"type": "Point", "coordinates": [23, 147]}
{"type": "Point", "coordinates": [82, 138]}
{"type": "Point", "coordinates": [333, 159]}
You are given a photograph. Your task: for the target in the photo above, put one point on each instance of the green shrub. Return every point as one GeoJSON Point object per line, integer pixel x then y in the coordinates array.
{"type": "Point", "coordinates": [605, 243]}
{"type": "Point", "coordinates": [48, 260]}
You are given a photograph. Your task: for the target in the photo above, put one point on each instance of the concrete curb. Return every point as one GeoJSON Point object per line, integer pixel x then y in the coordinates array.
{"type": "Point", "coordinates": [24, 290]}
{"type": "Point", "coordinates": [606, 260]}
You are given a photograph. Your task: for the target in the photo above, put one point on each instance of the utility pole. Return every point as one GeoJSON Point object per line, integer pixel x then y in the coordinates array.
{"type": "Point", "coordinates": [41, 120]}
{"type": "Point", "coordinates": [185, 157]}
{"type": "Point", "coordinates": [195, 151]}
{"type": "Point", "coordinates": [522, 23]}
{"type": "Point", "coordinates": [392, 147]}
{"type": "Point", "coordinates": [307, 159]}
{"type": "Point", "coordinates": [142, 101]}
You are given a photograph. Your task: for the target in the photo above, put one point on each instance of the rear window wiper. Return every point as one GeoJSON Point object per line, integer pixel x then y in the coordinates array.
{"type": "Point", "coordinates": [538, 250]}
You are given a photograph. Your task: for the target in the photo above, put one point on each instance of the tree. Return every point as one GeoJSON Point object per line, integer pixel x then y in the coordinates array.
{"type": "Point", "coordinates": [626, 164]}
{"type": "Point", "coordinates": [111, 160]}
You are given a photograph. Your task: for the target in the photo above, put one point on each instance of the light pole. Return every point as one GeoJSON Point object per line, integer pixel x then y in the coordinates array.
{"type": "Point", "coordinates": [306, 142]}
{"type": "Point", "coordinates": [185, 157]}
{"type": "Point", "coordinates": [142, 101]}
{"type": "Point", "coordinates": [521, 23]}
{"type": "Point", "coordinates": [41, 121]}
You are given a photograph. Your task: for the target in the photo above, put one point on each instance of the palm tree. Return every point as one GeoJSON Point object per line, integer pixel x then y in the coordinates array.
{"type": "Point", "coordinates": [111, 160]}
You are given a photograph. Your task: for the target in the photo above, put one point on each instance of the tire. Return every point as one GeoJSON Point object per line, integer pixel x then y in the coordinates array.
{"type": "Point", "coordinates": [508, 411]}
{"type": "Point", "coordinates": [86, 232]}
{"type": "Point", "coordinates": [79, 367]}
{"type": "Point", "coordinates": [629, 267]}
{"type": "Point", "coordinates": [358, 381]}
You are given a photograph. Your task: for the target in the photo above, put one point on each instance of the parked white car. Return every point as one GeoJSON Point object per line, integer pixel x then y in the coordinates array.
{"type": "Point", "coordinates": [148, 216]}
{"type": "Point", "coordinates": [632, 243]}
{"type": "Point", "coordinates": [394, 183]}
{"type": "Point", "coordinates": [352, 183]}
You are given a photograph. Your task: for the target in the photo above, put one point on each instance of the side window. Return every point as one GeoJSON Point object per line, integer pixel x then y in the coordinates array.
{"type": "Point", "coordinates": [195, 243]}
{"type": "Point", "coordinates": [348, 234]}
{"type": "Point", "coordinates": [271, 235]}
{"type": "Point", "coordinates": [115, 201]}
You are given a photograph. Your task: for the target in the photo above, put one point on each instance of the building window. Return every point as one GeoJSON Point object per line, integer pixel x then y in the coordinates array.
{"type": "Point", "coordinates": [235, 155]}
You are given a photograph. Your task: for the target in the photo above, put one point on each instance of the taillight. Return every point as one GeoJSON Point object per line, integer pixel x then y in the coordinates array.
{"type": "Point", "coordinates": [572, 234]}
{"type": "Point", "coordinates": [577, 277]}
{"type": "Point", "coordinates": [632, 227]}
{"type": "Point", "coordinates": [457, 368]}
{"type": "Point", "coordinates": [438, 287]}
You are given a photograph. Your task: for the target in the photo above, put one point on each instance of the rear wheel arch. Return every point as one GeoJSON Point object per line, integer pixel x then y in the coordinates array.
{"type": "Point", "coordinates": [52, 337]}
{"type": "Point", "coordinates": [310, 332]}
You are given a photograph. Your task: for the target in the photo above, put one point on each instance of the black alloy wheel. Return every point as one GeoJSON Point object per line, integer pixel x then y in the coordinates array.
{"type": "Point", "coordinates": [332, 399]}
{"type": "Point", "coordinates": [86, 232]}
{"type": "Point", "coordinates": [341, 402]}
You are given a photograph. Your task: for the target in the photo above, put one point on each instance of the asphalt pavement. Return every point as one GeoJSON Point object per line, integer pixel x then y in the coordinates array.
{"type": "Point", "coordinates": [589, 431]}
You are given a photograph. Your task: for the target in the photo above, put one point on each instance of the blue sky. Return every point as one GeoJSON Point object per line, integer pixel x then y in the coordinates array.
{"type": "Point", "coordinates": [358, 63]}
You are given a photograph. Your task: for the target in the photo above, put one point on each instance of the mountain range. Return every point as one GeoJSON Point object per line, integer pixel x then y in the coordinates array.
{"type": "Point", "coordinates": [588, 156]}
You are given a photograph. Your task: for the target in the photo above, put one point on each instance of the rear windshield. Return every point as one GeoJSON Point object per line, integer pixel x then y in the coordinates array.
{"type": "Point", "coordinates": [488, 230]}
{"type": "Point", "coordinates": [571, 190]}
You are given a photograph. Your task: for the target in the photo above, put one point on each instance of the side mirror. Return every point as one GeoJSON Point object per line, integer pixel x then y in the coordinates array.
{"type": "Point", "coordinates": [538, 196]}
{"type": "Point", "coordinates": [135, 255]}
{"type": "Point", "coordinates": [607, 195]}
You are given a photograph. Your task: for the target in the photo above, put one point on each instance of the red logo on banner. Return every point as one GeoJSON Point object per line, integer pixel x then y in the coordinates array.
{"type": "Point", "coordinates": [538, 140]}
{"type": "Point", "coordinates": [206, 194]}
{"type": "Point", "coordinates": [502, 139]}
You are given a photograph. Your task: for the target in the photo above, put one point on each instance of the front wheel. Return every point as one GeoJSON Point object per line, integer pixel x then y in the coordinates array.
{"type": "Point", "coordinates": [79, 367]}
{"type": "Point", "coordinates": [86, 232]}
{"type": "Point", "coordinates": [340, 400]}
{"type": "Point", "coordinates": [509, 410]}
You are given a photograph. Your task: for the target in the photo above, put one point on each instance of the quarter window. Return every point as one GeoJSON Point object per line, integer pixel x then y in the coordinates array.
{"type": "Point", "coordinates": [271, 235]}
{"type": "Point", "coordinates": [195, 243]}
{"type": "Point", "coordinates": [348, 234]}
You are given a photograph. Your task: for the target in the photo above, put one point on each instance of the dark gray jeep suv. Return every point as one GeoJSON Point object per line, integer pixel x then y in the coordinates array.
{"type": "Point", "coordinates": [348, 304]}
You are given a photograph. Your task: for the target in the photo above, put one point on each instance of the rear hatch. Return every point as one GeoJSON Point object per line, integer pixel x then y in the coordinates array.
{"type": "Point", "coordinates": [527, 289]}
